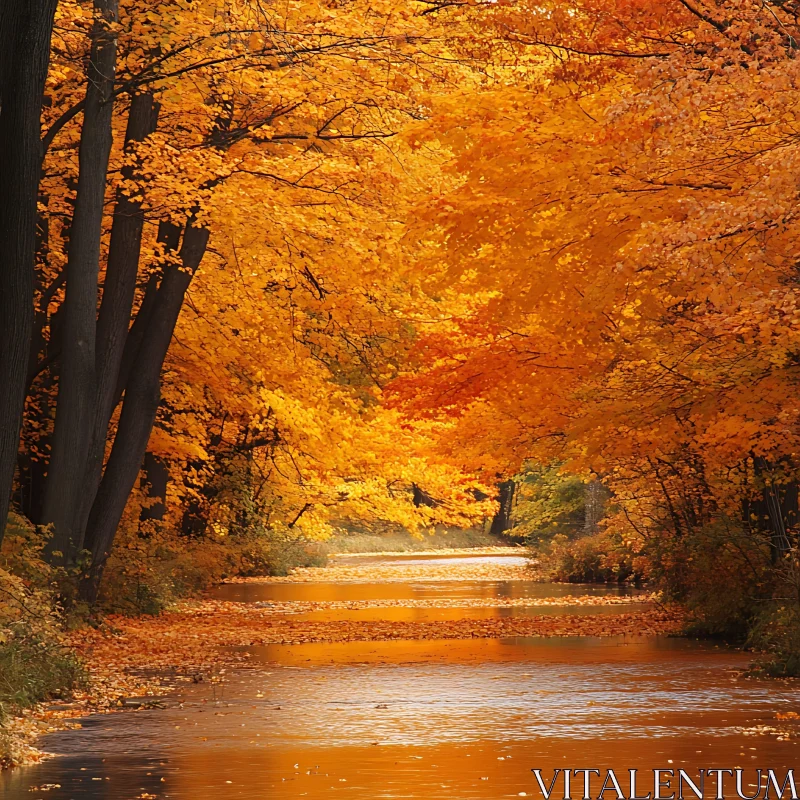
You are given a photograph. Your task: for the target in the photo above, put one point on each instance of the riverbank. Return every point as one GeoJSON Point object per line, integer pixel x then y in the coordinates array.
{"type": "Point", "coordinates": [131, 659]}
{"type": "Point", "coordinates": [149, 657]}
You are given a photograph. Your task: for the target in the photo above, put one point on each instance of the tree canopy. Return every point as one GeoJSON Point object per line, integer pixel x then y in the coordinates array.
{"type": "Point", "coordinates": [319, 260]}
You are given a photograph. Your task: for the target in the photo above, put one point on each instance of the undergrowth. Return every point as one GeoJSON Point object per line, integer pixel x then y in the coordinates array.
{"type": "Point", "coordinates": [725, 574]}
{"type": "Point", "coordinates": [599, 558]}
{"type": "Point", "coordinates": [35, 664]}
{"type": "Point", "coordinates": [148, 571]}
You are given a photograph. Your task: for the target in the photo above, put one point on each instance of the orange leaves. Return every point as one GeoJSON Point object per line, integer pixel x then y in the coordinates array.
{"type": "Point", "coordinates": [631, 229]}
{"type": "Point", "coordinates": [198, 636]}
{"type": "Point", "coordinates": [585, 249]}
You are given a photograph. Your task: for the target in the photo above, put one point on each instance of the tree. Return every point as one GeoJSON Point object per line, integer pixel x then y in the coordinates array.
{"type": "Point", "coordinates": [624, 222]}
{"type": "Point", "coordinates": [77, 376]}
{"type": "Point", "coordinates": [501, 522]}
{"type": "Point", "coordinates": [235, 148]}
{"type": "Point", "coordinates": [25, 30]}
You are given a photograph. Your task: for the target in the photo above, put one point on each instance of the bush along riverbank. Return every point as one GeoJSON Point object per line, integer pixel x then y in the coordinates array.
{"type": "Point", "coordinates": [46, 677]}
{"type": "Point", "coordinates": [730, 576]}
{"type": "Point", "coordinates": [732, 586]}
{"type": "Point", "coordinates": [37, 663]}
{"type": "Point", "coordinates": [737, 574]}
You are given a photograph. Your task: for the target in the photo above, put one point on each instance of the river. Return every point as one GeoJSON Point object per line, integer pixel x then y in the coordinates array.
{"type": "Point", "coordinates": [425, 719]}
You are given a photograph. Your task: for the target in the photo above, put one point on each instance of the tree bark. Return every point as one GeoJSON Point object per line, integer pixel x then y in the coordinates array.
{"type": "Point", "coordinates": [592, 507]}
{"type": "Point", "coordinates": [169, 236]}
{"type": "Point", "coordinates": [502, 519]}
{"type": "Point", "coordinates": [25, 30]}
{"type": "Point", "coordinates": [115, 309]}
{"type": "Point", "coordinates": [139, 407]}
{"type": "Point", "coordinates": [772, 511]}
{"type": "Point", "coordinates": [77, 376]}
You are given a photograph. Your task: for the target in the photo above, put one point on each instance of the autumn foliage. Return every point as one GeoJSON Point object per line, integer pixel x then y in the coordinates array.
{"type": "Point", "coordinates": [625, 226]}
{"type": "Point", "coordinates": [221, 209]}
{"type": "Point", "coordinates": [368, 261]}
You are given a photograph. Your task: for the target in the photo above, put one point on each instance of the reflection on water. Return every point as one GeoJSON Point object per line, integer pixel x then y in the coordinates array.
{"type": "Point", "coordinates": [431, 560]}
{"type": "Point", "coordinates": [440, 719]}
{"type": "Point", "coordinates": [443, 590]}
{"type": "Point", "coordinates": [426, 720]}
{"type": "Point", "coordinates": [400, 614]}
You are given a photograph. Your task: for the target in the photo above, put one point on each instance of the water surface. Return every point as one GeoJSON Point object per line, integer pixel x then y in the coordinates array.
{"type": "Point", "coordinates": [438, 719]}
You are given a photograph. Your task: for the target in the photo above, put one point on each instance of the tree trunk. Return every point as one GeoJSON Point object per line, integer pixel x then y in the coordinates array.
{"type": "Point", "coordinates": [502, 519]}
{"type": "Point", "coordinates": [115, 310]}
{"type": "Point", "coordinates": [169, 236]}
{"type": "Point", "coordinates": [25, 30]}
{"type": "Point", "coordinates": [77, 376]}
{"type": "Point", "coordinates": [771, 509]}
{"type": "Point", "coordinates": [592, 507]}
{"type": "Point", "coordinates": [139, 407]}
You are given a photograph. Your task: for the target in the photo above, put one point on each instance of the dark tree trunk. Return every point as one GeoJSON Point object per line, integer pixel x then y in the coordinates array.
{"type": "Point", "coordinates": [776, 509]}
{"type": "Point", "coordinates": [25, 30]}
{"type": "Point", "coordinates": [421, 498]}
{"type": "Point", "coordinates": [502, 519]}
{"type": "Point", "coordinates": [139, 407]}
{"type": "Point", "coordinates": [117, 304]}
{"type": "Point", "coordinates": [156, 479]}
{"type": "Point", "coordinates": [592, 507]}
{"type": "Point", "coordinates": [77, 376]}
{"type": "Point", "coordinates": [169, 236]}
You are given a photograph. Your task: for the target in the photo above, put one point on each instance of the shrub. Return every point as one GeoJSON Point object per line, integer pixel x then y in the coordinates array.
{"type": "Point", "coordinates": [277, 554]}
{"type": "Point", "coordinates": [150, 569]}
{"type": "Point", "coordinates": [600, 558]}
{"type": "Point", "coordinates": [776, 632]}
{"type": "Point", "coordinates": [775, 627]}
{"type": "Point", "coordinates": [720, 571]}
{"type": "Point", "coordinates": [35, 668]}
{"type": "Point", "coordinates": [35, 664]}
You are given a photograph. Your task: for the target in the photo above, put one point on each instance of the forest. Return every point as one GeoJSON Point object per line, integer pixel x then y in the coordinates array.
{"type": "Point", "coordinates": [276, 273]}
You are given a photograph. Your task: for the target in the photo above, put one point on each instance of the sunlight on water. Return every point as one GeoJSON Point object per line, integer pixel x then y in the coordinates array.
{"type": "Point", "coordinates": [425, 719]}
